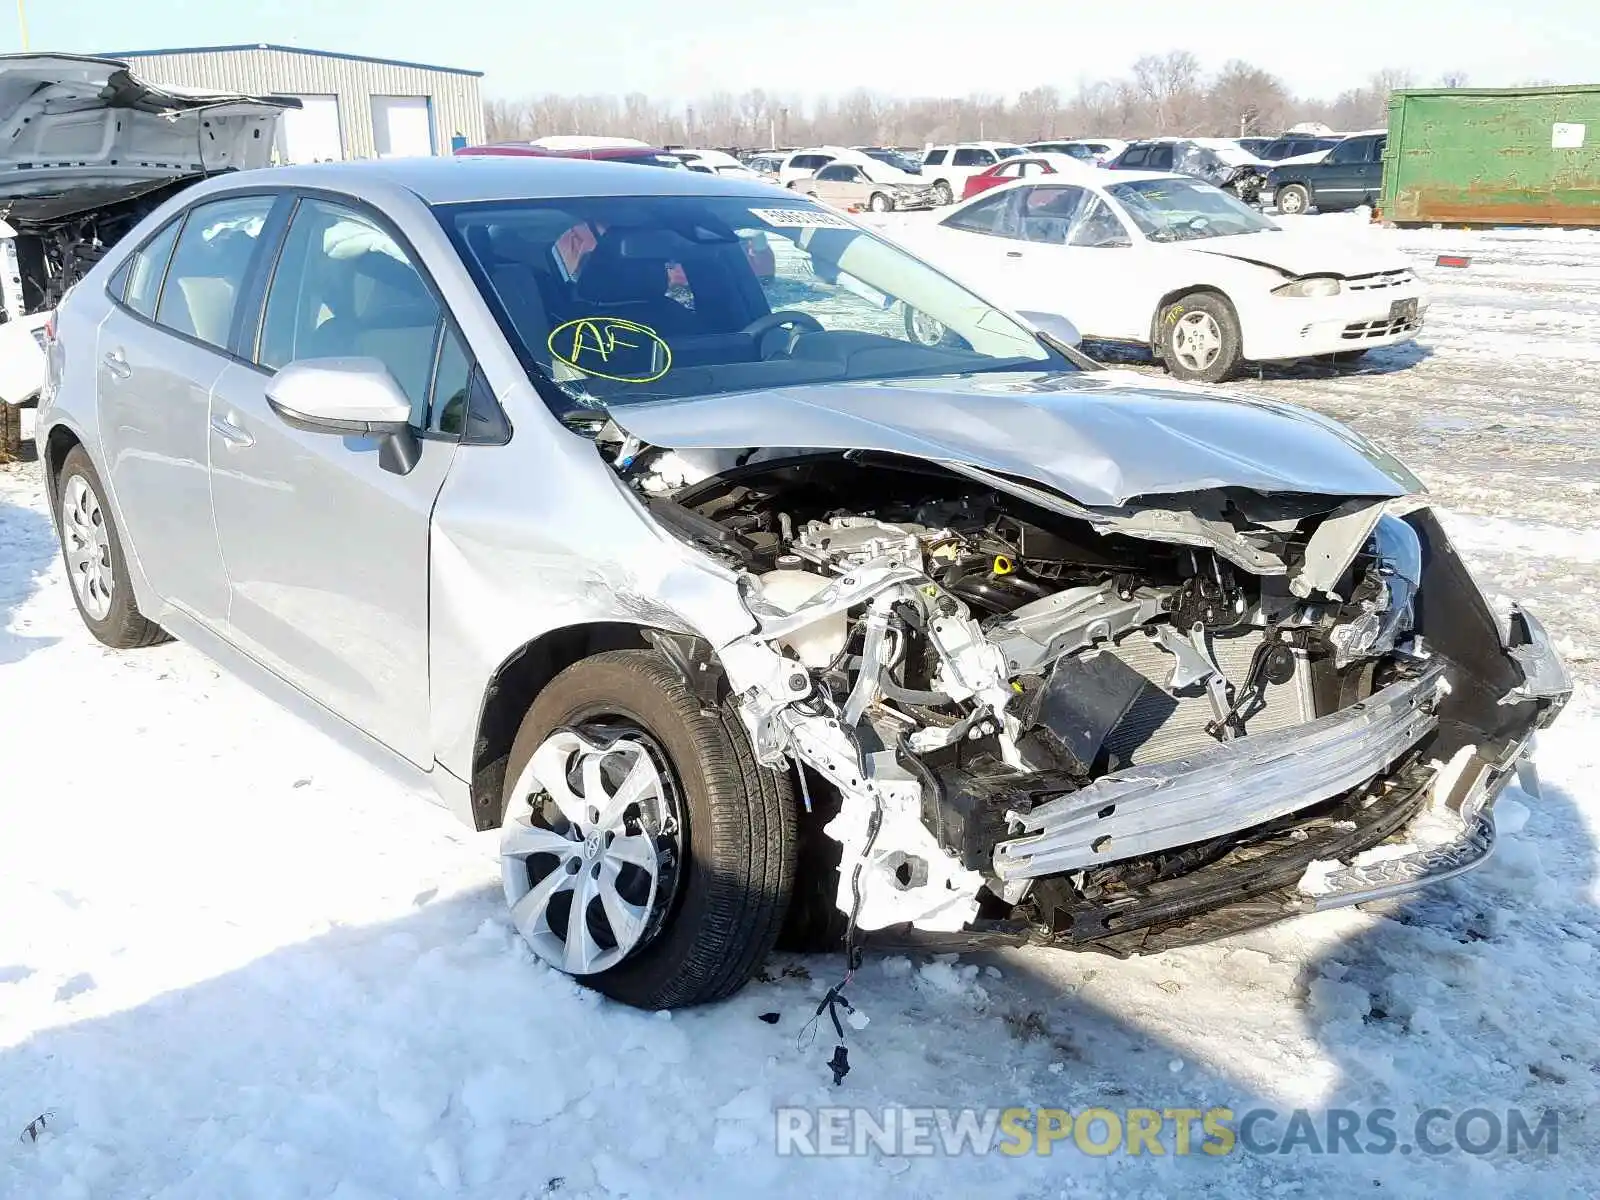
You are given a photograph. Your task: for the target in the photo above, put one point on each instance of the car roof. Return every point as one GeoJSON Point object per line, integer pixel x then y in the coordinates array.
{"type": "Point", "coordinates": [460, 179]}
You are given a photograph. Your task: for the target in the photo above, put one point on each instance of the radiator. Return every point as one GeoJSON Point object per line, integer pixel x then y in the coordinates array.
{"type": "Point", "coordinates": [1160, 727]}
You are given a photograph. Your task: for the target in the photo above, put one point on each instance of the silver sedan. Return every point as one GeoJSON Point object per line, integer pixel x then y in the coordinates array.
{"type": "Point", "coordinates": [621, 511]}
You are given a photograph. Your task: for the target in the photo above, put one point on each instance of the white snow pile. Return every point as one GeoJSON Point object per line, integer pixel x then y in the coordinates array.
{"type": "Point", "coordinates": [235, 962]}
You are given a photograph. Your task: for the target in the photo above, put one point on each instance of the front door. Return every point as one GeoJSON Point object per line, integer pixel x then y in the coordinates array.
{"type": "Point", "coordinates": [1341, 179]}
{"type": "Point", "coordinates": [326, 550]}
{"type": "Point", "coordinates": [161, 350]}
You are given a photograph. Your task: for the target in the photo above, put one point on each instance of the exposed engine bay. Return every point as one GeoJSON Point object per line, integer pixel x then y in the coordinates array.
{"type": "Point", "coordinates": [1044, 724]}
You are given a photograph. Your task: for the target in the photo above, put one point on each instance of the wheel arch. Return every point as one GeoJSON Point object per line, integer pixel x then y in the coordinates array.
{"type": "Point", "coordinates": [58, 443]}
{"type": "Point", "coordinates": [1178, 293]}
{"type": "Point", "coordinates": [517, 682]}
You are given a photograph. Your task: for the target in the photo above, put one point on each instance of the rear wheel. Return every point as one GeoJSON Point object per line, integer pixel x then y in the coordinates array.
{"type": "Point", "coordinates": [643, 850]}
{"type": "Point", "coordinates": [1292, 199]}
{"type": "Point", "coordinates": [96, 565]}
{"type": "Point", "coordinates": [1198, 338]}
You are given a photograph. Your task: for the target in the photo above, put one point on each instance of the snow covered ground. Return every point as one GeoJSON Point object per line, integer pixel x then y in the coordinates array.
{"type": "Point", "coordinates": [235, 962]}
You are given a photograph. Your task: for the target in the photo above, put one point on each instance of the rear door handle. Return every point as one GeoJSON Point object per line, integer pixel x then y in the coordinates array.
{"type": "Point", "coordinates": [117, 364]}
{"type": "Point", "coordinates": [230, 433]}
{"type": "Point", "coordinates": [1013, 253]}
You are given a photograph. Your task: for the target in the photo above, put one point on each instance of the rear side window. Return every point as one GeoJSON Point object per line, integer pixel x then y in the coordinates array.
{"type": "Point", "coordinates": [935, 157]}
{"type": "Point", "coordinates": [208, 267]}
{"type": "Point", "coordinates": [145, 268]}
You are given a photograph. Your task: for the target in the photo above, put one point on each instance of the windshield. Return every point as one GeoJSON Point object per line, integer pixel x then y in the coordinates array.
{"type": "Point", "coordinates": [899, 161]}
{"type": "Point", "coordinates": [1186, 210]}
{"type": "Point", "coordinates": [621, 299]}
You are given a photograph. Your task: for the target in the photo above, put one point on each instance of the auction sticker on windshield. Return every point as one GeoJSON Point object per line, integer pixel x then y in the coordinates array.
{"type": "Point", "coordinates": [800, 218]}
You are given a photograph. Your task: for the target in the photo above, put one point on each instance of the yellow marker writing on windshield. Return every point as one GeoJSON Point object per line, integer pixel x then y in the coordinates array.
{"type": "Point", "coordinates": [603, 347]}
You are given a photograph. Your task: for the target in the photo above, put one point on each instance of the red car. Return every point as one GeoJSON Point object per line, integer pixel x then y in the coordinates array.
{"type": "Point", "coordinates": [1009, 170]}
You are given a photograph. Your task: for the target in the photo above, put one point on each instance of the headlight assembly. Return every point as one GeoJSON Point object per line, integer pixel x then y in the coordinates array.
{"type": "Point", "coordinates": [1311, 285]}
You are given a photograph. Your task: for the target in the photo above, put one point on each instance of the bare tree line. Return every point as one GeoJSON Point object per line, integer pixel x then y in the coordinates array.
{"type": "Point", "coordinates": [1163, 94]}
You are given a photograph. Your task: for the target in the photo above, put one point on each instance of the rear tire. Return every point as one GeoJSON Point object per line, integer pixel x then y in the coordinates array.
{"type": "Point", "coordinates": [1292, 200]}
{"type": "Point", "coordinates": [97, 569]}
{"type": "Point", "coordinates": [1198, 338]}
{"type": "Point", "coordinates": [732, 860]}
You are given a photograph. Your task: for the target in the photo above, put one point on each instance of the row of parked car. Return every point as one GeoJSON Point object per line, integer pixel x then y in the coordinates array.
{"type": "Point", "coordinates": [1296, 172]}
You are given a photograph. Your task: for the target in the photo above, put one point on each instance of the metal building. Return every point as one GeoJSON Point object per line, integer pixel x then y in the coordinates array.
{"type": "Point", "coordinates": [353, 106]}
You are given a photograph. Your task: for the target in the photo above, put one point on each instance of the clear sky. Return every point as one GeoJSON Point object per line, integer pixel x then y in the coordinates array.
{"type": "Point", "coordinates": [903, 47]}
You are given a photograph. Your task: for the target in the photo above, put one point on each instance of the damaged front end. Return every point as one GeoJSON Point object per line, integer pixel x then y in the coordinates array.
{"type": "Point", "coordinates": [1121, 727]}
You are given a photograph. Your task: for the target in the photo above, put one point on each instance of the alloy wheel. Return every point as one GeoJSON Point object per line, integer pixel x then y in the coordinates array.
{"type": "Point", "coordinates": [590, 846]}
{"type": "Point", "coordinates": [88, 548]}
{"type": "Point", "coordinates": [1196, 340]}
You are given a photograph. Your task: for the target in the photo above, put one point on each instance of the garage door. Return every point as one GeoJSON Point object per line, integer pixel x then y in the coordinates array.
{"type": "Point", "coordinates": [312, 133]}
{"type": "Point", "coordinates": [401, 126]}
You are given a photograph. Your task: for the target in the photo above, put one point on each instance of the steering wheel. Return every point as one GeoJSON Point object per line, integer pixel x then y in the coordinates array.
{"type": "Point", "coordinates": [802, 322]}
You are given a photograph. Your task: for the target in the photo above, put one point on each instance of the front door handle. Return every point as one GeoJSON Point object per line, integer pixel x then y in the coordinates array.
{"type": "Point", "coordinates": [230, 433]}
{"type": "Point", "coordinates": [117, 364]}
{"type": "Point", "coordinates": [1013, 253]}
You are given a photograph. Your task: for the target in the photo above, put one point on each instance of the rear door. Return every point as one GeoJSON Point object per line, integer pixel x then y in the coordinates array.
{"type": "Point", "coordinates": [327, 552]}
{"type": "Point", "coordinates": [161, 349]}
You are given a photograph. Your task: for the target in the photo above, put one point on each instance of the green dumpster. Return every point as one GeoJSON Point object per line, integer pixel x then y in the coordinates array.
{"type": "Point", "coordinates": [1493, 156]}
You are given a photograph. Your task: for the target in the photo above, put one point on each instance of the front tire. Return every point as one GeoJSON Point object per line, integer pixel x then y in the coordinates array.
{"type": "Point", "coordinates": [942, 194]}
{"type": "Point", "coordinates": [680, 868]}
{"type": "Point", "coordinates": [1292, 199]}
{"type": "Point", "coordinates": [96, 565]}
{"type": "Point", "coordinates": [1198, 338]}
{"type": "Point", "coordinates": [879, 202]}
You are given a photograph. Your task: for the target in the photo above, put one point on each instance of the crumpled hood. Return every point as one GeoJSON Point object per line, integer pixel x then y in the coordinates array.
{"type": "Point", "coordinates": [1303, 254]}
{"type": "Point", "coordinates": [89, 124]}
{"type": "Point", "coordinates": [1098, 437]}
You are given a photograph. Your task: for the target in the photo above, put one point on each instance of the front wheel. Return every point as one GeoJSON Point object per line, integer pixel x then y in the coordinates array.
{"type": "Point", "coordinates": [1198, 338]}
{"type": "Point", "coordinates": [879, 202]}
{"type": "Point", "coordinates": [942, 194]}
{"type": "Point", "coordinates": [1292, 199]}
{"type": "Point", "coordinates": [643, 850]}
{"type": "Point", "coordinates": [96, 563]}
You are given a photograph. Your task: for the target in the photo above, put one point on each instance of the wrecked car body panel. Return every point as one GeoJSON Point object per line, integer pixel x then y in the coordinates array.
{"type": "Point", "coordinates": [1101, 438]}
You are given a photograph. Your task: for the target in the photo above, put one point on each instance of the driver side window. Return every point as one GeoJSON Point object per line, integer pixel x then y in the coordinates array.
{"type": "Point", "coordinates": [1352, 151]}
{"type": "Point", "coordinates": [986, 216]}
{"type": "Point", "coordinates": [344, 288]}
{"type": "Point", "coordinates": [1098, 226]}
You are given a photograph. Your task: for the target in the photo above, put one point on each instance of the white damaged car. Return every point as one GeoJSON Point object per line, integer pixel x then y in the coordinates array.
{"type": "Point", "coordinates": [1168, 262]}
{"type": "Point", "coordinates": [89, 149]}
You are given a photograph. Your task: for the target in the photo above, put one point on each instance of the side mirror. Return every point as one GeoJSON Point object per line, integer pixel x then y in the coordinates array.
{"type": "Point", "coordinates": [347, 397]}
{"type": "Point", "coordinates": [1054, 326]}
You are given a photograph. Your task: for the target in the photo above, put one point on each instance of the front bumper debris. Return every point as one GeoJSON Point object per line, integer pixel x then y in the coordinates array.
{"type": "Point", "coordinates": [1224, 790]}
